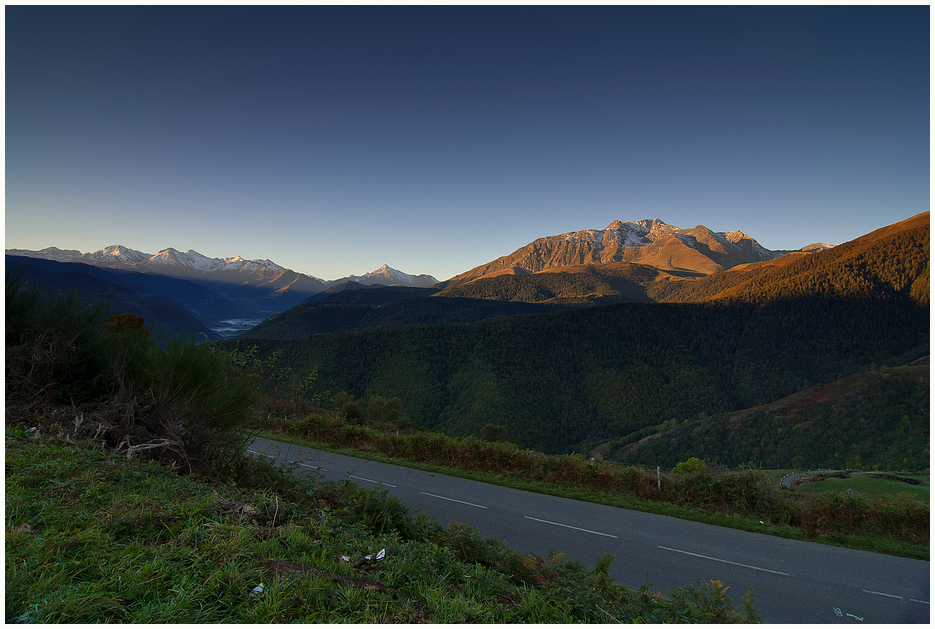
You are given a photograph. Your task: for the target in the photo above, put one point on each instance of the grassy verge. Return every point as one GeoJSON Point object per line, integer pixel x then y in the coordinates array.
{"type": "Point", "coordinates": [871, 484]}
{"type": "Point", "coordinates": [97, 538]}
{"type": "Point", "coordinates": [783, 499]}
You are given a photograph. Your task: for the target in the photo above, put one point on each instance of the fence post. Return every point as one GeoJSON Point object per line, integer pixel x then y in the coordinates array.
{"type": "Point", "coordinates": [658, 478]}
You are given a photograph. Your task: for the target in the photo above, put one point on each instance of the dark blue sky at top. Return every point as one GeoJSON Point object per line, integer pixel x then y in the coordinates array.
{"type": "Point", "coordinates": [335, 139]}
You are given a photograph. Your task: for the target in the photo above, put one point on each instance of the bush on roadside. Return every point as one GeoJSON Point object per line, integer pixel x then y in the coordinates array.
{"type": "Point", "coordinates": [190, 398]}
{"type": "Point", "coordinates": [176, 404]}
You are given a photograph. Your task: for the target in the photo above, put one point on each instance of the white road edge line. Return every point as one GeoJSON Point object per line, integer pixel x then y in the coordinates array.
{"type": "Point", "coordinates": [742, 565]}
{"type": "Point", "coordinates": [314, 467]}
{"type": "Point", "coordinates": [268, 456]}
{"type": "Point", "coordinates": [370, 480]}
{"type": "Point", "coordinates": [915, 600]}
{"type": "Point", "coordinates": [567, 526]}
{"type": "Point", "coordinates": [452, 500]}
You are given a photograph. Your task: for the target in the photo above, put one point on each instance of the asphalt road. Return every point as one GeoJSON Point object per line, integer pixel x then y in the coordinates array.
{"type": "Point", "coordinates": [792, 581]}
{"type": "Point", "coordinates": [787, 481]}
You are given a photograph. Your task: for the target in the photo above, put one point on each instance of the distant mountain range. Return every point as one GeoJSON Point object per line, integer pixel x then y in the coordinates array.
{"type": "Point", "coordinates": [193, 264]}
{"type": "Point", "coordinates": [626, 261]}
{"type": "Point", "coordinates": [258, 286]}
{"type": "Point", "coordinates": [244, 292]}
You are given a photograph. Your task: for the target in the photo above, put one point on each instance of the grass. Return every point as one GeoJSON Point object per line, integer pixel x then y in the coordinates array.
{"type": "Point", "coordinates": [868, 484]}
{"type": "Point", "coordinates": [96, 538]}
{"type": "Point", "coordinates": [910, 548]}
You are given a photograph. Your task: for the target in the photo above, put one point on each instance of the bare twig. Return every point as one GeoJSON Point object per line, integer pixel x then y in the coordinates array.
{"type": "Point", "coordinates": [608, 613]}
{"type": "Point", "coordinates": [100, 429]}
{"type": "Point", "coordinates": [131, 450]}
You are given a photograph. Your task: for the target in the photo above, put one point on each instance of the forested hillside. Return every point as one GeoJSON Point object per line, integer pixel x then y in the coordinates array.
{"type": "Point", "coordinates": [582, 377]}
{"type": "Point", "coordinates": [878, 419]}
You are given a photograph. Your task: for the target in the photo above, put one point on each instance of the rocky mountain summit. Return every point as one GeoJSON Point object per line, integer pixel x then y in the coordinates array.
{"type": "Point", "coordinates": [650, 242]}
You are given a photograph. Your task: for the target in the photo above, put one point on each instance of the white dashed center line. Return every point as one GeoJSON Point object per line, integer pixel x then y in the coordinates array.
{"type": "Point", "coordinates": [914, 600]}
{"type": "Point", "coordinates": [370, 481]}
{"type": "Point", "coordinates": [733, 563]}
{"type": "Point", "coordinates": [883, 594]}
{"type": "Point", "coordinates": [568, 526]}
{"type": "Point", "coordinates": [314, 467]}
{"type": "Point", "coordinates": [453, 500]}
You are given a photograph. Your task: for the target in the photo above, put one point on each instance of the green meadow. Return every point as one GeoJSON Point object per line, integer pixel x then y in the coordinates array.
{"type": "Point", "coordinates": [871, 485]}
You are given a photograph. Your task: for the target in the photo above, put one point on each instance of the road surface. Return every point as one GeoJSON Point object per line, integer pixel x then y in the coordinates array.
{"type": "Point", "coordinates": [792, 581]}
{"type": "Point", "coordinates": [787, 481]}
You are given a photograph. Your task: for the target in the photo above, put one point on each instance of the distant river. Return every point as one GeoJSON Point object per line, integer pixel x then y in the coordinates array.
{"type": "Point", "coordinates": [229, 328]}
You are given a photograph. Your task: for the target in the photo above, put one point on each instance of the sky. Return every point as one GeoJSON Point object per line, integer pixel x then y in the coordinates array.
{"type": "Point", "coordinates": [333, 140]}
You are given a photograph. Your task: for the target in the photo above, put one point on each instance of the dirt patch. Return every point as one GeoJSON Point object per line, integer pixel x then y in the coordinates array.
{"type": "Point", "coordinates": [819, 476]}
{"type": "Point", "coordinates": [247, 514]}
{"type": "Point", "coordinates": [902, 479]}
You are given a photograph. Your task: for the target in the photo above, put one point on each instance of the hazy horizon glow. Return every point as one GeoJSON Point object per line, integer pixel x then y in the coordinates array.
{"type": "Point", "coordinates": [333, 140]}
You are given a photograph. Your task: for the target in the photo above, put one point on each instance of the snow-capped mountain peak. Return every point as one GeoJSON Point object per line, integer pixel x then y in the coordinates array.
{"type": "Point", "coordinates": [190, 259]}
{"type": "Point", "coordinates": [388, 276]}
{"type": "Point", "coordinates": [390, 273]}
{"type": "Point", "coordinates": [118, 254]}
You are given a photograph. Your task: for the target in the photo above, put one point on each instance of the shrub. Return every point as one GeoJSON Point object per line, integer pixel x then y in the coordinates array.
{"type": "Point", "coordinates": [49, 343]}
{"type": "Point", "coordinates": [122, 351]}
{"type": "Point", "coordinates": [191, 398]}
{"type": "Point", "coordinates": [348, 407]}
{"type": "Point", "coordinates": [492, 432]}
{"type": "Point", "coordinates": [693, 464]}
{"type": "Point", "coordinates": [179, 399]}
{"type": "Point", "coordinates": [469, 546]}
{"type": "Point", "coordinates": [393, 412]}
{"type": "Point", "coordinates": [706, 603]}
{"type": "Point", "coordinates": [379, 511]}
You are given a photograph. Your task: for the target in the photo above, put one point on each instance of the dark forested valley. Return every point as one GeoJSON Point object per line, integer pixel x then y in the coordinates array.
{"type": "Point", "coordinates": [575, 379]}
